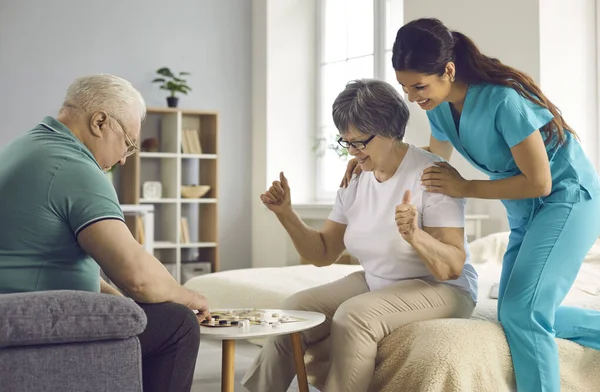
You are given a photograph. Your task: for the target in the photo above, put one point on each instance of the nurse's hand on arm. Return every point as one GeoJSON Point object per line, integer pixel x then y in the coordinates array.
{"type": "Point", "coordinates": [535, 179]}
{"type": "Point", "coordinates": [437, 147]}
{"type": "Point", "coordinates": [320, 247]}
{"type": "Point", "coordinates": [441, 248]}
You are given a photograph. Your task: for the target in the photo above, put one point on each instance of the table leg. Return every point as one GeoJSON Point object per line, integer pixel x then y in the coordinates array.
{"type": "Point", "coordinates": [227, 367]}
{"type": "Point", "coordinates": [299, 360]}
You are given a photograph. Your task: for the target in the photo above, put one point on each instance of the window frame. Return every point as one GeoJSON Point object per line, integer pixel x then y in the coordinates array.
{"type": "Point", "coordinates": [379, 72]}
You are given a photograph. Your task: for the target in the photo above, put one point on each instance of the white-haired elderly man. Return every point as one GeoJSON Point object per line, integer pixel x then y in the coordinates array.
{"type": "Point", "coordinates": [53, 178]}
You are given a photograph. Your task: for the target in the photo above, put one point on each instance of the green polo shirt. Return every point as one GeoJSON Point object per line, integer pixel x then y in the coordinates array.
{"type": "Point", "coordinates": [51, 188]}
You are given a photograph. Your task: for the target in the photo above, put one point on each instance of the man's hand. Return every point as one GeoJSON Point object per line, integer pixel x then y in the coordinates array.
{"type": "Point", "coordinates": [277, 198]}
{"type": "Point", "coordinates": [200, 303]}
{"type": "Point", "coordinates": [407, 218]}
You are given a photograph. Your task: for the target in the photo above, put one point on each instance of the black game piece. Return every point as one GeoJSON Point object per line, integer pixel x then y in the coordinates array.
{"type": "Point", "coordinates": [235, 322]}
{"type": "Point", "coordinates": [215, 317]}
{"type": "Point", "coordinates": [222, 322]}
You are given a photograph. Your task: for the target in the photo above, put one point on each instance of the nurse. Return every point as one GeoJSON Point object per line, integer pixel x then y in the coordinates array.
{"type": "Point", "coordinates": [500, 121]}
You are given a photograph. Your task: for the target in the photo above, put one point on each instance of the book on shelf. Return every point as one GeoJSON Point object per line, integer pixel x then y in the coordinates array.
{"type": "Point", "coordinates": [190, 142]}
{"type": "Point", "coordinates": [140, 229]}
{"type": "Point", "coordinates": [185, 231]}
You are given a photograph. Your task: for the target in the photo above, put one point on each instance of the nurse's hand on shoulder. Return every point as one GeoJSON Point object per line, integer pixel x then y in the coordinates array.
{"type": "Point", "coordinates": [443, 178]}
{"type": "Point", "coordinates": [277, 197]}
{"type": "Point", "coordinates": [407, 218]}
{"type": "Point", "coordinates": [352, 168]}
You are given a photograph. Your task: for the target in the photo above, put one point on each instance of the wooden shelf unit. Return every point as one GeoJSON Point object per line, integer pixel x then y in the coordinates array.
{"type": "Point", "coordinates": [173, 168]}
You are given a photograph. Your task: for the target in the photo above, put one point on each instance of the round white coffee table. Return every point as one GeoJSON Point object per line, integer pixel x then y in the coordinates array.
{"type": "Point", "coordinates": [228, 335]}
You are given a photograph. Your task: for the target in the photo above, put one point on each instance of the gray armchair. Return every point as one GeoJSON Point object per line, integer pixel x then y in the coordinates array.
{"type": "Point", "coordinates": [70, 341]}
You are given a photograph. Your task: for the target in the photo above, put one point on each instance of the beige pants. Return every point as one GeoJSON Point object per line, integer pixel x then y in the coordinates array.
{"type": "Point", "coordinates": [356, 320]}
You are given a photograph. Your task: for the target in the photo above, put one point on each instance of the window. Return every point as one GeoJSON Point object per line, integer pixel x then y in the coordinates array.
{"type": "Point", "coordinates": [356, 39]}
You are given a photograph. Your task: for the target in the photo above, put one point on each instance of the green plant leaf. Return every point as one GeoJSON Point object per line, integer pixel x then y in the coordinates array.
{"type": "Point", "coordinates": [165, 71]}
{"type": "Point", "coordinates": [176, 84]}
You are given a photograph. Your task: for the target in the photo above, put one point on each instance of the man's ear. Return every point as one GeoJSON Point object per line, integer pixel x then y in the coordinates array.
{"type": "Point", "coordinates": [98, 120]}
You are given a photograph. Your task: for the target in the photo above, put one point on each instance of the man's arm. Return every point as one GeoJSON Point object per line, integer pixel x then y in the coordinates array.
{"type": "Point", "coordinates": [106, 288]}
{"type": "Point", "coordinates": [320, 247]}
{"type": "Point", "coordinates": [131, 267]}
{"type": "Point", "coordinates": [441, 249]}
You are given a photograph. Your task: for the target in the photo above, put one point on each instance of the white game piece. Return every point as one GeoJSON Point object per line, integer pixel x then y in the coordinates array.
{"type": "Point", "coordinates": [212, 321]}
{"type": "Point", "coordinates": [246, 323]}
{"type": "Point", "coordinates": [276, 315]}
{"type": "Point", "coordinates": [236, 317]}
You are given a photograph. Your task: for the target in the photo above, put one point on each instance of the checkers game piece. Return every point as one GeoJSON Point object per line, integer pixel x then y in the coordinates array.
{"type": "Point", "coordinates": [245, 318]}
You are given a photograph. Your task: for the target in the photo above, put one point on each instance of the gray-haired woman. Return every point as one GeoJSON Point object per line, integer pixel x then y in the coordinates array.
{"type": "Point", "coordinates": [410, 243]}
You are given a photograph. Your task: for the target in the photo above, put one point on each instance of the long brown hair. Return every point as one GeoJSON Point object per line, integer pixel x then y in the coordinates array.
{"type": "Point", "coordinates": [427, 46]}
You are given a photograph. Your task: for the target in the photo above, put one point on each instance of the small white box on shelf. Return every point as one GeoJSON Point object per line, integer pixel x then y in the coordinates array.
{"type": "Point", "coordinates": [152, 190]}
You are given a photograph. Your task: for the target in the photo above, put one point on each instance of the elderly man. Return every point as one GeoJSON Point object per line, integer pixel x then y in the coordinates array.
{"type": "Point", "coordinates": [62, 222]}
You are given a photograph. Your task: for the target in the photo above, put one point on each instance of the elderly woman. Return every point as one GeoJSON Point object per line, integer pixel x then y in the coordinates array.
{"type": "Point", "coordinates": [410, 243]}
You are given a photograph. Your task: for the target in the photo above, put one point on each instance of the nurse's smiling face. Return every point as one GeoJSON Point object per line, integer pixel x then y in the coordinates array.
{"type": "Point", "coordinates": [426, 90]}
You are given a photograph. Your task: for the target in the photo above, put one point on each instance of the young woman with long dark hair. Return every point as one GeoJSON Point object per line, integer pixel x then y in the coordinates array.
{"type": "Point", "coordinates": [502, 123]}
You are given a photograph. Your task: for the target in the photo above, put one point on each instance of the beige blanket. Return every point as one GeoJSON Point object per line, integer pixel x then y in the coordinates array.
{"type": "Point", "coordinates": [457, 356]}
{"type": "Point", "coordinates": [454, 355]}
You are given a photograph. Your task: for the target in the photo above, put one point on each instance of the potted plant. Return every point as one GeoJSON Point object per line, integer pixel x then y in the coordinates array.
{"type": "Point", "coordinates": [330, 143]}
{"type": "Point", "coordinates": [172, 83]}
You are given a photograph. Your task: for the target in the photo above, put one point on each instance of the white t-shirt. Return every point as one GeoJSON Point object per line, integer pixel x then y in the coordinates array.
{"type": "Point", "coordinates": [368, 207]}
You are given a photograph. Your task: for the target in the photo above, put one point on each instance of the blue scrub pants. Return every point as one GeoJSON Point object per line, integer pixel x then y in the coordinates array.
{"type": "Point", "coordinates": [540, 265]}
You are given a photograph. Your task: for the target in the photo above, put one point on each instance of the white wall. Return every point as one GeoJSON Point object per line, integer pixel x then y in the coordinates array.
{"type": "Point", "coordinates": [44, 45]}
{"type": "Point", "coordinates": [568, 66]}
{"type": "Point", "coordinates": [284, 65]}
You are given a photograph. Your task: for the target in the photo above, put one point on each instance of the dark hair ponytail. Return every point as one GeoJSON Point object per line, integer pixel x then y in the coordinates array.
{"type": "Point", "coordinates": [426, 46]}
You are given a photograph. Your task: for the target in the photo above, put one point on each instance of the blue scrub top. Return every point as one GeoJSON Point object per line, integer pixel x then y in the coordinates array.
{"type": "Point", "coordinates": [496, 118]}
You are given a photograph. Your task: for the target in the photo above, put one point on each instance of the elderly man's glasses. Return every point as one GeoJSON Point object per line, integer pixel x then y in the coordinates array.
{"type": "Point", "coordinates": [131, 146]}
{"type": "Point", "coordinates": [357, 144]}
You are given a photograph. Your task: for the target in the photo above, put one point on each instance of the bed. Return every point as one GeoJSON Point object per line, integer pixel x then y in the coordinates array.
{"type": "Point", "coordinates": [434, 356]}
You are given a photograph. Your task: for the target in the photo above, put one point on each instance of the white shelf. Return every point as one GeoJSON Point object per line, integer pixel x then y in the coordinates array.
{"type": "Point", "coordinates": [198, 156]}
{"type": "Point", "coordinates": [174, 169]}
{"type": "Point", "coordinates": [158, 155]}
{"type": "Point", "coordinates": [173, 200]}
{"type": "Point", "coordinates": [176, 155]}
{"type": "Point", "coordinates": [163, 200]}
{"type": "Point", "coordinates": [198, 245]}
{"type": "Point", "coordinates": [199, 201]}
{"type": "Point", "coordinates": [174, 245]}
{"type": "Point", "coordinates": [165, 245]}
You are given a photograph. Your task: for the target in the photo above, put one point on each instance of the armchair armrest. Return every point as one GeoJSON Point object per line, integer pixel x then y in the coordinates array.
{"type": "Point", "coordinates": [66, 316]}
